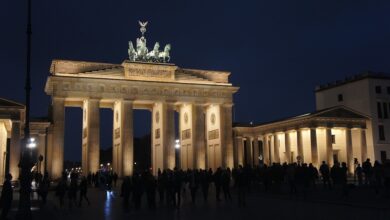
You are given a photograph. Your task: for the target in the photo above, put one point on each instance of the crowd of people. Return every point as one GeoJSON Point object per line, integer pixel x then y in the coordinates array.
{"type": "Point", "coordinates": [168, 187]}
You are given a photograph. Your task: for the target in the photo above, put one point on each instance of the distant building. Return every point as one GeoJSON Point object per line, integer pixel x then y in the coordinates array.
{"type": "Point", "coordinates": [369, 94]}
{"type": "Point", "coordinates": [350, 125]}
{"type": "Point", "coordinates": [12, 119]}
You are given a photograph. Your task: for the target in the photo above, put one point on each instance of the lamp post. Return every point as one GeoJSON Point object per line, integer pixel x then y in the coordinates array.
{"type": "Point", "coordinates": [24, 209]}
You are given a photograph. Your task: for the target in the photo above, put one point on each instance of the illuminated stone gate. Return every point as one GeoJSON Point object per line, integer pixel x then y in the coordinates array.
{"type": "Point", "coordinates": [203, 99]}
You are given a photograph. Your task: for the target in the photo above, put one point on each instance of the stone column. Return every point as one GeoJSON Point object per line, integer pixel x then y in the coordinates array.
{"type": "Point", "coordinates": [127, 138]}
{"type": "Point", "coordinates": [329, 148]}
{"type": "Point", "coordinates": [256, 151]}
{"type": "Point", "coordinates": [287, 143]}
{"type": "Point", "coordinates": [314, 147]}
{"type": "Point", "coordinates": [349, 150]}
{"type": "Point", "coordinates": [300, 145]}
{"type": "Point", "coordinates": [240, 151]}
{"type": "Point", "coordinates": [58, 137]}
{"type": "Point", "coordinates": [363, 142]}
{"type": "Point", "coordinates": [266, 150]}
{"type": "Point", "coordinates": [49, 151]}
{"type": "Point", "coordinates": [91, 135]}
{"type": "Point", "coordinates": [168, 134]}
{"type": "Point", "coordinates": [276, 148]}
{"type": "Point", "coordinates": [15, 150]}
{"type": "Point", "coordinates": [227, 135]}
{"type": "Point", "coordinates": [199, 135]}
{"type": "Point", "coordinates": [122, 157]}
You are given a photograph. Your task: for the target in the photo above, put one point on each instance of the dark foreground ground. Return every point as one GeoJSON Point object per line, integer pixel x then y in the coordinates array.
{"type": "Point", "coordinates": [320, 204]}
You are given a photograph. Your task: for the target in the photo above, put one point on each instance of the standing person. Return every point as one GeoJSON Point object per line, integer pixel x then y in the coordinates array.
{"type": "Point", "coordinates": [125, 192]}
{"type": "Point", "coordinates": [217, 183]}
{"type": "Point", "coordinates": [61, 189]}
{"type": "Point", "coordinates": [150, 186]}
{"type": "Point", "coordinates": [193, 184]}
{"type": "Point", "coordinates": [343, 179]}
{"type": "Point", "coordinates": [367, 170]}
{"type": "Point", "coordinates": [177, 184]}
{"type": "Point", "coordinates": [325, 173]}
{"type": "Point", "coordinates": [161, 184]}
{"type": "Point", "coordinates": [83, 190]}
{"type": "Point", "coordinates": [44, 186]}
{"type": "Point", "coordinates": [115, 178]}
{"type": "Point", "coordinates": [242, 184]}
{"type": "Point", "coordinates": [6, 196]}
{"type": "Point", "coordinates": [205, 182]}
{"type": "Point", "coordinates": [72, 192]}
{"type": "Point", "coordinates": [226, 176]}
{"type": "Point", "coordinates": [359, 174]}
{"type": "Point", "coordinates": [313, 175]}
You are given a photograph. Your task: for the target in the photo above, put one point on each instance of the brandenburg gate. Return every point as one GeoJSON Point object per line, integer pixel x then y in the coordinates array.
{"type": "Point", "coordinates": [146, 80]}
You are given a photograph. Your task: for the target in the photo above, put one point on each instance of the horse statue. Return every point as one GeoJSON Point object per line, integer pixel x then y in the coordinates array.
{"type": "Point", "coordinates": [153, 55]}
{"type": "Point", "coordinates": [131, 51]}
{"type": "Point", "coordinates": [142, 50]}
{"type": "Point", "coordinates": [164, 55]}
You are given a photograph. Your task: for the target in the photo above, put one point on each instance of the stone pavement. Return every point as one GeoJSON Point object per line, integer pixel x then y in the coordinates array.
{"type": "Point", "coordinates": [320, 204]}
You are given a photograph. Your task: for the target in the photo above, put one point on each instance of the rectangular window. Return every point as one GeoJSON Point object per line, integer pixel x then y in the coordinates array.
{"type": "Point", "coordinates": [378, 89]}
{"type": "Point", "coordinates": [385, 113]}
{"type": "Point", "coordinates": [381, 132]}
{"type": "Point", "coordinates": [379, 108]}
{"type": "Point", "coordinates": [340, 97]}
{"type": "Point", "coordinates": [333, 139]}
{"type": "Point", "coordinates": [383, 156]}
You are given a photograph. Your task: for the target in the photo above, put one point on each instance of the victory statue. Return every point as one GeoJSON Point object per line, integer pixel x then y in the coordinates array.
{"type": "Point", "coordinates": [141, 52]}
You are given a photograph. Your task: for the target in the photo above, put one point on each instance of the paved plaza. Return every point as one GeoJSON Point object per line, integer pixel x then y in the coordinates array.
{"type": "Point", "coordinates": [320, 204]}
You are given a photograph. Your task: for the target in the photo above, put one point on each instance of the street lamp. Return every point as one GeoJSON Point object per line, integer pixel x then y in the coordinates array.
{"type": "Point", "coordinates": [177, 145]}
{"type": "Point", "coordinates": [26, 162]}
{"type": "Point", "coordinates": [31, 144]}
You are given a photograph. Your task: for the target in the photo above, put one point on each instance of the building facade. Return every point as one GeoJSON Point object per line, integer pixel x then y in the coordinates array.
{"type": "Point", "coordinates": [12, 119]}
{"type": "Point", "coordinates": [369, 94]}
{"type": "Point", "coordinates": [330, 135]}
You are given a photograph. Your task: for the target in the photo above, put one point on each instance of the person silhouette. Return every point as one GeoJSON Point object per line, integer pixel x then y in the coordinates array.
{"type": "Point", "coordinates": [6, 196]}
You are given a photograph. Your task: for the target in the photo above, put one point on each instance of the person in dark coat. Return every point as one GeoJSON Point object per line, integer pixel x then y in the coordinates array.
{"type": "Point", "coordinates": [205, 182]}
{"type": "Point", "coordinates": [61, 189]}
{"type": "Point", "coordinates": [6, 196]}
{"type": "Point", "coordinates": [83, 190]}
{"type": "Point", "coordinates": [44, 186]}
{"type": "Point", "coordinates": [126, 192]}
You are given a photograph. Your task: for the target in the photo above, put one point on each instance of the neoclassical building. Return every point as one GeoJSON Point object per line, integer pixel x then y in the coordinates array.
{"type": "Point", "coordinates": [12, 119]}
{"type": "Point", "coordinates": [203, 99]}
{"type": "Point", "coordinates": [333, 134]}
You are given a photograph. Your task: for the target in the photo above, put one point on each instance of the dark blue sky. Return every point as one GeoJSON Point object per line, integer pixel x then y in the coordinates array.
{"type": "Point", "coordinates": [277, 51]}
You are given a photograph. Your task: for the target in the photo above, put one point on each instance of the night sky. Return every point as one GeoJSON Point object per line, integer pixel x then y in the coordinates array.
{"type": "Point", "coordinates": [277, 51]}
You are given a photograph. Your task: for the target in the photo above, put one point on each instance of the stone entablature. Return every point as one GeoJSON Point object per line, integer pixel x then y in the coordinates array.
{"type": "Point", "coordinates": [149, 71]}
{"type": "Point", "coordinates": [138, 71]}
{"type": "Point", "coordinates": [60, 86]}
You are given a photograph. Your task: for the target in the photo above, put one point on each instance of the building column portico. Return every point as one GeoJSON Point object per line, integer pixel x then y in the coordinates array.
{"type": "Point", "coordinates": [287, 143]}
{"type": "Point", "coordinates": [276, 148]}
{"type": "Point", "coordinates": [328, 144]}
{"type": "Point", "coordinates": [198, 121]}
{"type": "Point", "coordinates": [349, 150]}
{"type": "Point", "coordinates": [15, 149]}
{"type": "Point", "coordinates": [266, 150]}
{"type": "Point", "coordinates": [256, 151]}
{"type": "Point", "coordinates": [122, 155]}
{"type": "Point", "coordinates": [57, 153]}
{"type": "Point", "coordinates": [314, 147]}
{"type": "Point", "coordinates": [91, 136]}
{"type": "Point", "coordinates": [300, 145]}
{"type": "Point", "coordinates": [363, 143]}
{"type": "Point", "coordinates": [240, 151]}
